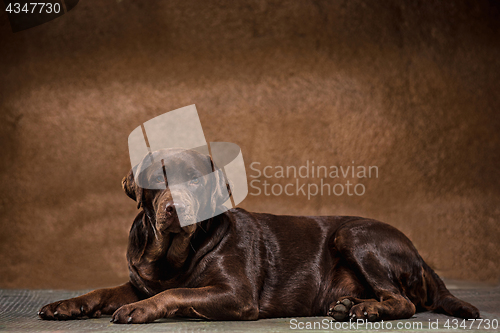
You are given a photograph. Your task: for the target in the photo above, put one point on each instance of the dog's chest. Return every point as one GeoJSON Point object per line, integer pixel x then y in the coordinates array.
{"type": "Point", "coordinates": [151, 278]}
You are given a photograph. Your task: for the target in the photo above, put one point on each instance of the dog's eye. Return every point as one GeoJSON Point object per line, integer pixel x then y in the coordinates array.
{"type": "Point", "coordinates": [160, 179]}
{"type": "Point", "coordinates": [195, 181]}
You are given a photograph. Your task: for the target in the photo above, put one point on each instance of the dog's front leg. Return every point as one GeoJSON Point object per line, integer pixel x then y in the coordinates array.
{"type": "Point", "coordinates": [212, 303]}
{"type": "Point", "coordinates": [92, 304]}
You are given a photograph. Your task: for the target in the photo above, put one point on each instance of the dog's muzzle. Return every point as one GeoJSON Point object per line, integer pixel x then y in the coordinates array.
{"type": "Point", "coordinates": [173, 214]}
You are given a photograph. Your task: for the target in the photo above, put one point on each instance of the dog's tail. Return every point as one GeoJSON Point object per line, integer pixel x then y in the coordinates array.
{"type": "Point", "coordinates": [439, 298]}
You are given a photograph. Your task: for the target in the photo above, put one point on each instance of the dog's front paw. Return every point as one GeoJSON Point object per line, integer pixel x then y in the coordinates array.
{"type": "Point", "coordinates": [69, 309]}
{"type": "Point", "coordinates": [137, 313]}
{"type": "Point", "coordinates": [340, 310]}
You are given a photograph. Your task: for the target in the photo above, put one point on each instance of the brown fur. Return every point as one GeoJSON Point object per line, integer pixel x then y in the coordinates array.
{"type": "Point", "coordinates": [240, 265]}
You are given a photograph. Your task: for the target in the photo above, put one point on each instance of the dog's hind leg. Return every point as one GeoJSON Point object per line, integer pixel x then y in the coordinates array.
{"type": "Point", "coordinates": [386, 264]}
{"type": "Point", "coordinates": [345, 289]}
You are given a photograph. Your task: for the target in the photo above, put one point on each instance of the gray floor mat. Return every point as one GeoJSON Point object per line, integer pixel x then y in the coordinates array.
{"type": "Point", "coordinates": [18, 313]}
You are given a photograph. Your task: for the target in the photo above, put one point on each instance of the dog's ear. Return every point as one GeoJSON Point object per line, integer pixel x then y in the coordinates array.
{"type": "Point", "coordinates": [131, 189]}
{"type": "Point", "coordinates": [128, 185]}
{"type": "Point", "coordinates": [222, 190]}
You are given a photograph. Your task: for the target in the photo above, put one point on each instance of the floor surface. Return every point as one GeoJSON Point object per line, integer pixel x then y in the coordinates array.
{"type": "Point", "coordinates": [18, 313]}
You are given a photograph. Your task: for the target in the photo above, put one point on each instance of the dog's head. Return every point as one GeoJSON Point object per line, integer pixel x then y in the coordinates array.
{"type": "Point", "coordinates": [177, 188]}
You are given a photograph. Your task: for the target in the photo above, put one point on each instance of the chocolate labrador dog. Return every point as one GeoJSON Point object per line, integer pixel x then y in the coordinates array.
{"type": "Point", "coordinates": [240, 265]}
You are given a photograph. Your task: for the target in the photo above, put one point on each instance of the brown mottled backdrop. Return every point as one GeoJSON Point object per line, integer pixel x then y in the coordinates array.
{"type": "Point", "coordinates": [412, 87]}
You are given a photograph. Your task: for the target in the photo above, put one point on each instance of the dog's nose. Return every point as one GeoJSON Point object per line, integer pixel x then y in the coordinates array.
{"type": "Point", "coordinates": [175, 206]}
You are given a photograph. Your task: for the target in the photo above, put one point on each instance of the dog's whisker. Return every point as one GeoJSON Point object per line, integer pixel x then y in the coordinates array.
{"type": "Point", "coordinates": [156, 234]}
{"type": "Point", "coordinates": [152, 226]}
